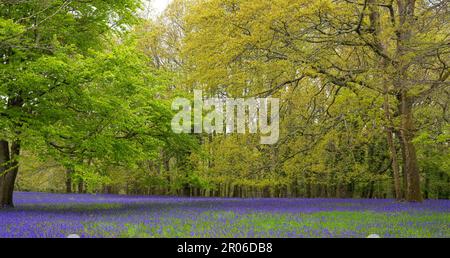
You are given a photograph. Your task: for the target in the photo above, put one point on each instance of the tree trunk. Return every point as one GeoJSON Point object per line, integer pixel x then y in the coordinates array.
{"type": "Point", "coordinates": [404, 173]}
{"type": "Point", "coordinates": [407, 19]}
{"type": "Point", "coordinates": [80, 186]}
{"type": "Point", "coordinates": [4, 164]}
{"type": "Point", "coordinates": [69, 173]}
{"type": "Point", "coordinates": [392, 150]}
{"type": "Point", "coordinates": [371, 189]}
{"type": "Point", "coordinates": [9, 167]}
{"type": "Point", "coordinates": [411, 167]}
{"type": "Point", "coordinates": [427, 187]}
{"type": "Point", "coordinates": [376, 25]}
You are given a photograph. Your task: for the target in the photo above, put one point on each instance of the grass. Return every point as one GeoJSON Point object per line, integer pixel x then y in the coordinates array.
{"type": "Point", "coordinates": [313, 225]}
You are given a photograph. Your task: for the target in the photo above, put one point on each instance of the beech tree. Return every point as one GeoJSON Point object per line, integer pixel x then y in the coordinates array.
{"type": "Point", "coordinates": [396, 49]}
{"type": "Point", "coordinates": [32, 33]}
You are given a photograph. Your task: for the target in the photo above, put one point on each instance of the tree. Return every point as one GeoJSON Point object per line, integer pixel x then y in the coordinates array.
{"type": "Point", "coordinates": [377, 46]}
{"type": "Point", "coordinates": [32, 33]}
{"type": "Point", "coordinates": [95, 125]}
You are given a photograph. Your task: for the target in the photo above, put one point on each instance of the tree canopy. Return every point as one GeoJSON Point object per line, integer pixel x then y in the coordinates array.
{"type": "Point", "coordinates": [363, 87]}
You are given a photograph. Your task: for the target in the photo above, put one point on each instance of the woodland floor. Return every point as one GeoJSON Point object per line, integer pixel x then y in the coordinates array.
{"type": "Point", "coordinates": [40, 215]}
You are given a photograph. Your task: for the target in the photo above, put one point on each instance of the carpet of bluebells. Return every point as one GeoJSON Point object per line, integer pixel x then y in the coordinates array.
{"type": "Point", "coordinates": [40, 215]}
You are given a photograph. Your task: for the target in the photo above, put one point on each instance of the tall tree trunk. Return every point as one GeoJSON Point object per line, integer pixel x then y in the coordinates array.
{"type": "Point", "coordinates": [404, 173]}
{"type": "Point", "coordinates": [371, 189]}
{"type": "Point", "coordinates": [69, 172]}
{"type": "Point", "coordinates": [392, 149]}
{"type": "Point", "coordinates": [410, 163]}
{"type": "Point", "coordinates": [395, 166]}
{"type": "Point", "coordinates": [376, 26]}
{"type": "Point", "coordinates": [12, 175]}
{"type": "Point", "coordinates": [80, 186]}
{"type": "Point", "coordinates": [407, 19]}
{"type": "Point", "coordinates": [11, 156]}
{"type": "Point", "coordinates": [4, 164]}
{"type": "Point", "coordinates": [9, 167]}
{"type": "Point", "coordinates": [308, 190]}
{"type": "Point", "coordinates": [427, 187]}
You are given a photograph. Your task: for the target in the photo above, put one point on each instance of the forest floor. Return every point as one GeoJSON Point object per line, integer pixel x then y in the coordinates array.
{"type": "Point", "coordinates": [59, 215]}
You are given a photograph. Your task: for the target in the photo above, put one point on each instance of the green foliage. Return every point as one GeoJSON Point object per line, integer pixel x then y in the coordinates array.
{"type": "Point", "coordinates": [97, 82]}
